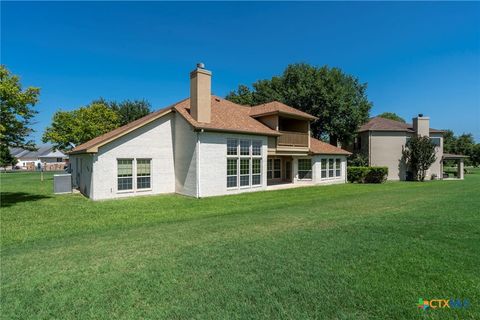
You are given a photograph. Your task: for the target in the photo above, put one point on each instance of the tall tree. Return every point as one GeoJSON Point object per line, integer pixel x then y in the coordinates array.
{"type": "Point", "coordinates": [475, 155]}
{"type": "Point", "coordinates": [337, 99]}
{"type": "Point", "coordinates": [17, 111]}
{"type": "Point", "coordinates": [419, 155]}
{"type": "Point", "coordinates": [130, 110]}
{"type": "Point", "coordinates": [391, 116]}
{"type": "Point", "coordinates": [78, 126]}
{"type": "Point", "coordinates": [6, 158]}
{"type": "Point", "coordinates": [449, 142]}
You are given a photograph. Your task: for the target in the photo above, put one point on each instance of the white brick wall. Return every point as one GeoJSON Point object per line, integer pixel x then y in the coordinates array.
{"type": "Point", "coordinates": [213, 163]}
{"type": "Point", "coordinates": [153, 141]}
{"type": "Point", "coordinates": [185, 153]}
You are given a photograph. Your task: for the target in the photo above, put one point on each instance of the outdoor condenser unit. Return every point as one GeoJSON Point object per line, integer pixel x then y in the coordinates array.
{"type": "Point", "coordinates": [62, 183]}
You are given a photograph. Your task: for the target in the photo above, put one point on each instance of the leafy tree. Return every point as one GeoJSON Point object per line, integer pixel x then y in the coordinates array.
{"type": "Point", "coordinates": [391, 116]}
{"type": "Point", "coordinates": [419, 155]}
{"type": "Point", "coordinates": [16, 111]}
{"type": "Point", "coordinates": [131, 110]}
{"type": "Point", "coordinates": [6, 158]}
{"type": "Point", "coordinates": [475, 155]}
{"type": "Point", "coordinates": [464, 144]}
{"type": "Point", "coordinates": [358, 160]}
{"type": "Point", "coordinates": [449, 142]}
{"type": "Point", "coordinates": [337, 99]}
{"type": "Point", "coordinates": [78, 126]}
{"type": "Point", "coordinates": [128, 110]}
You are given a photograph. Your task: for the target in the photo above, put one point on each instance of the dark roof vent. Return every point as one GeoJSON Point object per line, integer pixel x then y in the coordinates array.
{"type": "Point", "coordinates": [420, 115]}
{"type": "Point", "coordinates": [201, 65]}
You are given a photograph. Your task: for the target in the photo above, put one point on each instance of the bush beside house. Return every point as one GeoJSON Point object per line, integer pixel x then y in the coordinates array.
{"type": "Point", "coordinates": [367, 174]}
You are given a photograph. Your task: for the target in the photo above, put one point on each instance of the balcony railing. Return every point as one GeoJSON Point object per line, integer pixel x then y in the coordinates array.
{"type": "Point", "coordinates": [293, 139]}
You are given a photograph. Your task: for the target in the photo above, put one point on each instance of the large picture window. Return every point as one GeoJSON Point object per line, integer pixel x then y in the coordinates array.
{"type": "Point", "coordinates": [244, 163]}
{"type": "Point", "coordinates": [331, 168]}
{"type": "Point", "coordinates": [143, 174]}
{"type": "Point", "coordinates": [125, 174]}
{"type": "Point", "coordinates": [305, 169]}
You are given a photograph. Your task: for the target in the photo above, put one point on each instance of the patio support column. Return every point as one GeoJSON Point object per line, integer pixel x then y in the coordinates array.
{"type": "Point", "coordinates": [460, 169]}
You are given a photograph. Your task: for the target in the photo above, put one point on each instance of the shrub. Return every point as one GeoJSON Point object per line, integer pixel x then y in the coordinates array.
{"type": "Point", "coordinates": [367, 174]}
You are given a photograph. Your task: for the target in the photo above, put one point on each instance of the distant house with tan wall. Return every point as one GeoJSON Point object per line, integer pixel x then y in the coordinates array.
{"type": "Point", "coordinates": [383, 141]}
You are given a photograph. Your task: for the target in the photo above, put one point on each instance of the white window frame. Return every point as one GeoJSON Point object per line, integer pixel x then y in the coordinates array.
{"type": "Point", "coordinates": [149, 176]}
{"type": "Point", "coordinates": [131, 177]}
{"type": "Point", "coordinates": [239, 157]}
{"type": "Point", "coordinates": [327, 168]}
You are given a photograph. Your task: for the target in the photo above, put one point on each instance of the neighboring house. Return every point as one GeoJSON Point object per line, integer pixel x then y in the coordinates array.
{"type": "Point", "coordinates": [383, 141]}
{"type": "Point", "coordinates": [45, 156]}
{"type": "Point", "coordinates": [206, 146]}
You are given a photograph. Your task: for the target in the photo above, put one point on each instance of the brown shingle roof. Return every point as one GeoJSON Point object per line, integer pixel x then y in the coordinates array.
{"type": "Point", "coordinates": [226, 116]}
{"type": "Point", "coordinates": [278, 107]}
{"type": "Point", "coordinates": [382, 124]}
{"type": "Point", "coordinates": [320, 147]}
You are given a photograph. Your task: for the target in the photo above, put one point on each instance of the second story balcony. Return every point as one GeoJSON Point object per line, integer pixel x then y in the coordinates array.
{"type": "Point", "coordinates": [293, 139]}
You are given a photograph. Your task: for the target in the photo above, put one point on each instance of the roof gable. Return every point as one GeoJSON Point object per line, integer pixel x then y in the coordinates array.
{"type": "Point", "coordinates": [276, 107]}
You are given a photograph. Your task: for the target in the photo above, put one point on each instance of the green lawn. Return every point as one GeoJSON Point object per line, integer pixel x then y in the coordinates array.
{"type": "Point", "coordinates": [331, 252]}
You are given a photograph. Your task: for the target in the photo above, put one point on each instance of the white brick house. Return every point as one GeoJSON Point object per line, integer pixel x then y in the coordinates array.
{"type": "Point", "coordinates": [206, 146]}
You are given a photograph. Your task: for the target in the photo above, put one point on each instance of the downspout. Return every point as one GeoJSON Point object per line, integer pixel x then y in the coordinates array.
{"type": "Point", "coordinates": [198, 163]}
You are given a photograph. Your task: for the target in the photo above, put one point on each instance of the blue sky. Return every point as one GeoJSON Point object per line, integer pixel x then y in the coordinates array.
{"type": "Point", "coordinates": [415, 57]}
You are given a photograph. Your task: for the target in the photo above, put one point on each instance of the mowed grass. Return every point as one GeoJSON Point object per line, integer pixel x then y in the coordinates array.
{"type": "Point", "coordinates": [328, 252]}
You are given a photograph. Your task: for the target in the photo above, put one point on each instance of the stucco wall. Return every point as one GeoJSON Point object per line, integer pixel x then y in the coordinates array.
{"type": "Point", "coordinates": [185, 152]}
{"type": "Point", "coordinates": [212, 166]}
{"type": "Point", "coordinates": [152, 141]}
{"type": "Point", "coordinates": [386, 151]}
{"type": "Point", "coordinates": [436, 167]}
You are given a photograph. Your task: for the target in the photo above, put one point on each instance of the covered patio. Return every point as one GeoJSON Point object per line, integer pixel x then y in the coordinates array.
{"type": "Point", "coordinates": [458, 174]}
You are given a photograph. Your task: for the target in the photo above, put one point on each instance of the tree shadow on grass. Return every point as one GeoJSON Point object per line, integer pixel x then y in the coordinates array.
{"type": "Point", "coordinates": [8, 199]}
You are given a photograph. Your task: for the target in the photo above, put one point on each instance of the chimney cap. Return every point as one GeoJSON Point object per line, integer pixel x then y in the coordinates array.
{"type": "Point", "coordinates": [201, 65]}
{"type": "Point", "coordinates": [420, 115]}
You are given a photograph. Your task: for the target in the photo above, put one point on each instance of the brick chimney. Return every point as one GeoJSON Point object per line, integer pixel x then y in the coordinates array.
{"type": "Point", "coordinates": [421, 125]}
{"type": "Point", "coordinates": [200, 93]}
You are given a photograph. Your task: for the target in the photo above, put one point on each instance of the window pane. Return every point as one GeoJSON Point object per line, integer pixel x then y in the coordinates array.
{"type": "Point", "coordinates": [337, 167]}
{"type": "Point", "coordinates": [269, 175]}
{"type": "Point", "coordinates": [232, 146]}
{"type": "Point", "coordinates": [256, 179]}
{"type": "Point", "coordinates": [244, 166]}
{"type": "Point", "coordinates": [124, 184]}
{"type": "Point", "coordinates": [277, 164]}
{"type": "Point", "coordinates": [244, 147]}
{"type": "Point", "coordinates": [324, 164]}
{"type": "Point", "coordinates": [277, 174]}
{"type": "Point", "coordinates": [124, 167]}
{"type": "Point", "coordinates": [304, 164]}
{"type": "Point", "coordinates": [244, 180]}
{"type": "Point", "coordinates": [270, 164]}
{"type": "Point", "coordinates": [256, 166]}
{"type": "Point", "coordinates": [305, 174]}
{"type": "Point", "coordinates": [143, 167]}
{"type": "Point", "coordinates": [256, 147]}
{"type": "Point", "coordinates": [231, 182]}
{"type": "Point", "coordinates": [330, 167]}
{"type": "Point", "coordinates": [143, 183]}
{"type": "Point", "coordinates": [232, 167]}
{"type": "Point", "coordinates": [324, 173]}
